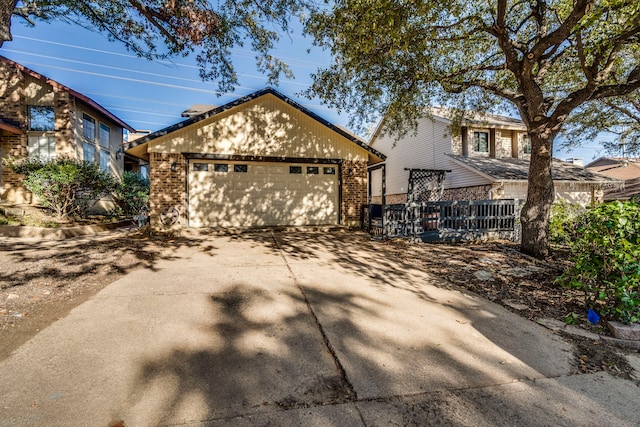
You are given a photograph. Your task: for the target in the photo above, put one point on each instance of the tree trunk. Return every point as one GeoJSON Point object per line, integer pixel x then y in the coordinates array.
{"type": "Point", "coordinates": [6, 11]}
{"type": "Point", "coordinates": [540, 195]}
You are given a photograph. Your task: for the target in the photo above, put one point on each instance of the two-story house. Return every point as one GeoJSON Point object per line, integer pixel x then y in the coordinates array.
{"type": "Point", "coordinates": [42, 118]}
{"type": "Point", "coordinates": [487, 159]}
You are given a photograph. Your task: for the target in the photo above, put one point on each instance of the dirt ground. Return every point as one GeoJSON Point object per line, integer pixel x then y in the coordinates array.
{"type": "Point", "coordinates": [40, 282]}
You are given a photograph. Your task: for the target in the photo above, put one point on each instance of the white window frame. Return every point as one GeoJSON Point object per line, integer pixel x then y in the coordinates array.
{"type": "Point", "coordinates": [85, 131]}
{"type": "Point", "coordinates": [41, 143]}
{"type": "Point", "coordinates": [102, 129]}
{"type": "Point", "coordinates": [105, 161]}
{"type": "Point", "coordinates": [526, 142]}
{"type": "Point", "coordinates": [473, 141]}
{"type": "Point", "coordinates": [88, 147]}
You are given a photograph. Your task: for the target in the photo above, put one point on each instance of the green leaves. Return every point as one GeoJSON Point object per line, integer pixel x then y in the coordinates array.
{"type": "Point", "coordinates": [605, 249]}
{"type": "Point", "coordinates": [159, 29]}
{"type": "Point", "coordinates": [66, 186]}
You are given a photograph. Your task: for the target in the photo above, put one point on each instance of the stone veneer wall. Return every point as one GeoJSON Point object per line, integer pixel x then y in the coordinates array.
{"type": "Point", "coordinates": [354, 191]}
{"type": "Point", "coordinates": [480, 192]}
{"type": "Point", "coordinates": [392, 199]}
{"type": "Point", "coordinates": [167, 187]}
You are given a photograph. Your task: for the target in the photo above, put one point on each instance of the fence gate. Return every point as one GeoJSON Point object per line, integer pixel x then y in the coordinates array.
{"type": "Point", "coordinates": [425, 185]}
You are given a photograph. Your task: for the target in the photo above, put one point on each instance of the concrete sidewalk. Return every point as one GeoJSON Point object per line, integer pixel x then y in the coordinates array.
{"type": "Point", "coordinates": [299, 329]}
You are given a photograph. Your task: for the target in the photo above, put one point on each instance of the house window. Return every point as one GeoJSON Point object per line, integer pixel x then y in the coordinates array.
{"type": "Point", "coordinates": [105, 135]}
{"type": "Point", "coordinates": [88, 152]}
{"type": "Point", "coordinates": [41, 138]}
{"type": "Point", "coordinates": [312, 170]}
{"type": "Point", "coordinates": [201, 167]}
{"type": "Point", "coordinates": [295, 169]}
{"type": "Point", "coordinates": [88, 127]}
{"type": "Point", "coordinates": [526, 144]}
{"type": "Point", "coordinates": [329, 171]}
{"type": "Point", "coordinates": [42, 147]}
{"type": "Point", "coordinates": [104, 161]}
{"type": "Point", "coordinates": [41, 118]}
{"type": "Point", "coordinates": [221, 167]}
{"type": "Point", "coordinates": [481, 142]}
{"type": "Point", "coordinates": [240, 168]}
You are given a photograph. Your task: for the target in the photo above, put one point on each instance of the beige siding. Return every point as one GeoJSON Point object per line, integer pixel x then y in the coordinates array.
{"type": "Point", "coordinates": [427, 149]}
{"type": "Point", "coordinates": [265, 126]}
{"type": "Point", "coordinates": [266, 194]}
{"type": "Point", "coordinates": [572, 193]}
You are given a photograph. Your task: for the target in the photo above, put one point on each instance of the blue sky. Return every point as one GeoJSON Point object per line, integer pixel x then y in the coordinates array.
{"type": "Point", "coordinates": [152, 95]}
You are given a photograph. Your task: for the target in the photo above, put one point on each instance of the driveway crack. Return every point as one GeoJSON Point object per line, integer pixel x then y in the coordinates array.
{"type": "Point", "coordinates": [350, 394]}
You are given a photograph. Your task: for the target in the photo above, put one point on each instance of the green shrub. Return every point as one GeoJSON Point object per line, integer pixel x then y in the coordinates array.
{"type": "Point", "coordinates": [131, 194]}
{"type": "Point", "coordinates": [66, 186]}
{"type": "Point", "coordinates": [562, 223]}
{"type": "Point", "coordinates": [605, 253]}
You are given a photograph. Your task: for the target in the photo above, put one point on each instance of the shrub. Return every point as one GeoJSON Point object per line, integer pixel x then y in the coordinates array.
{"type": "Point", "coordinates": [66, 186]}
{"type": "Point", "coordinates": [605, 254]}
{"type": "Point", "coordinates": [562, 222]}
{"type": "Point", "coordinates": [131, 194]}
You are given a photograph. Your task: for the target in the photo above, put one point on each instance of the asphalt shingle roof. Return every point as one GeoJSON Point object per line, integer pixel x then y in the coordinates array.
{"type": "Point", "coordinates": [510, 169]}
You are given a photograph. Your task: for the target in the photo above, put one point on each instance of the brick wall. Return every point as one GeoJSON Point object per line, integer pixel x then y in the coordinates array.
{"type": "Point", "coordinates": [13, 112]}
{"type": "Point", "coordinates": [167, 187]}
{"type": "Point", "coordinates": [354, 191]}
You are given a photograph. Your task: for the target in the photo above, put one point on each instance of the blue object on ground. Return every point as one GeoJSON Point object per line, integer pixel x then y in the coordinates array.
{"type": "Point", "coordinates": [593, 317]}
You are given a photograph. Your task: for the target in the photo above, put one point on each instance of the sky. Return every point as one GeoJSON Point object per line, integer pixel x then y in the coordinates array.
{"type": "Point", "coordinates": [151, 95]}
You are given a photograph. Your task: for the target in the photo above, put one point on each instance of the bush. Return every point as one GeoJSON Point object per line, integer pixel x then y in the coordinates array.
{"type": "Point", "coordinates": [131, 194]}
{"type": "Point", "coordinates": [66, 186]}
{"type": "Point", "coordinates": [562, 223]}
{"type": "Point", "coordinates": [605, 254]}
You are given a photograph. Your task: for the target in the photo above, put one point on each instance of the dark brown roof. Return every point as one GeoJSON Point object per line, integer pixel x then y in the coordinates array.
{"type": "Point", "coordinates": [510, 169]}
{"type": "Point", "coordinates": [76, 94]}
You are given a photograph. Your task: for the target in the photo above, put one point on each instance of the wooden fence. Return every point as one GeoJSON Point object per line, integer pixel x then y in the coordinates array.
{"type": "Point", "coordinates": [446, 220]}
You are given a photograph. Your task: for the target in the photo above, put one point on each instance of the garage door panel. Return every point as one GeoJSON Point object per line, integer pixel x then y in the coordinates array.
{"type": "Point", "coordinates": [266, 194]}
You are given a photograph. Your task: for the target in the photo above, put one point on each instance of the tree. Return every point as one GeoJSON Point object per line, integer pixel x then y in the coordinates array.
{"type": "Point", "coordinates": [66, 186]}
{"type": "Point", "coordinates": [544, 57]}
{"type": "Point", "coordinates": [619, 117]}
{"type": "Point", "coordinates": [159, 29]}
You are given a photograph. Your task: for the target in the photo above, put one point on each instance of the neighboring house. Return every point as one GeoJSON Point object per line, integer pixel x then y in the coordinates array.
{"type": "Point", "coordinates": [260, 160]}
{"type": "Point", "coordinates": [489, 159]}
{"type": "Point", "coordinates": [40, 117]}
{"type": "Point", "coordinates": [624, 169]}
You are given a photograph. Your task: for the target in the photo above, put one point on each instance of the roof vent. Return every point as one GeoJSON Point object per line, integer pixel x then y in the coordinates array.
{"type": "Point", "coordinates": [197, 109]}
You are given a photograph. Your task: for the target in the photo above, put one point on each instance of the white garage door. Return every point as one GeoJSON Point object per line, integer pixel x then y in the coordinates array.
{"type": "Point", "coordinates": [242, 194]}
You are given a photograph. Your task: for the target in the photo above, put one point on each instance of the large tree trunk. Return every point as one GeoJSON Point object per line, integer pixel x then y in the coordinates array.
{"type": "Point", "coordinates": [540, 194]}
{"type": "Point", "coordinates": [6, 11]}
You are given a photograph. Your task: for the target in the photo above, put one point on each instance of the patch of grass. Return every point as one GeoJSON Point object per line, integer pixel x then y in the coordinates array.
{"type": "Point", "coordinates": [27, 220]}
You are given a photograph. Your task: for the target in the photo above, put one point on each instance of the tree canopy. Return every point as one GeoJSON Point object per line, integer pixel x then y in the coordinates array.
{"type": "Point", "coordinates": [160, 29]}
{"type": "Point", "coordinates": [545, 58]}
{"type": "Point", "coordinates": [615, 121]}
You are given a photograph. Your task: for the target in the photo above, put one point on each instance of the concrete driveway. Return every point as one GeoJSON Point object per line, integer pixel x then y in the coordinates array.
{"type": "Point", "coordinates": [298, 328]}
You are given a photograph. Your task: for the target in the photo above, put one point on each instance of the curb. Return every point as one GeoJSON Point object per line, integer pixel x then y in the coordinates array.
{"type": "Point", "coordinates": [556, 325]}
{"type": "Point", "coordinates": [61, 233]}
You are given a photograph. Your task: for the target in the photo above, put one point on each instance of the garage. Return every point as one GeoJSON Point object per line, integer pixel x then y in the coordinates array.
{"type": "Point", "coordinates": [262, 160]}
{"type": "Point", "coordinates": [245, 194]}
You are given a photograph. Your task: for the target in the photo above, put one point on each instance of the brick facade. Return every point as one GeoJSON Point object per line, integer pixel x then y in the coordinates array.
{"type": "Point", "coordinates": [21, 87]}
{"type": "Point", "coordinates": [354, 191]}
{"type": "Point", "coordinates": [167, 187]}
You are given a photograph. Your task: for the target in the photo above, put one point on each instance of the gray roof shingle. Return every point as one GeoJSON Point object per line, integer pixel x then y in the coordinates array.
{"type": "Point", "coordinates": [510, 169]}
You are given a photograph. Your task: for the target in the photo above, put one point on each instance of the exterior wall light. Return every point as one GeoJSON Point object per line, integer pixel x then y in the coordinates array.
{"type": "Point", "coordinates": [174, 166]}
